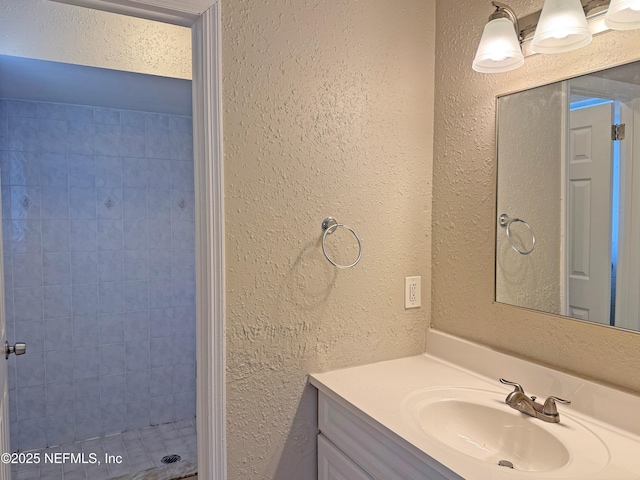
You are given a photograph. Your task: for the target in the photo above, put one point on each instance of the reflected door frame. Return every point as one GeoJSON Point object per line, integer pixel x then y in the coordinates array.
{"type": "Point", "coordinates": [209, 206]}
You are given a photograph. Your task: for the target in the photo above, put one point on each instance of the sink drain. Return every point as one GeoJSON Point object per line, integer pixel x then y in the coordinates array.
{"type": "Point", "coordinates": [505, 463]}
{"type": "Point", "coordinates": [171, 459]}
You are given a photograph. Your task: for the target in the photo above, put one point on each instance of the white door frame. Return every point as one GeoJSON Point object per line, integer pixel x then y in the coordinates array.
{"type": "Point", "coordinates": [209, 207]}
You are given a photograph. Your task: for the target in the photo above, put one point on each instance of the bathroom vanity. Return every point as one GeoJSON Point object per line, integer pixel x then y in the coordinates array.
{"type": "Point", "coordinates": [442, 415]}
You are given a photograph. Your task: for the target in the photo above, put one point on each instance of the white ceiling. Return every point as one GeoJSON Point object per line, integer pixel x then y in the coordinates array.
{"type": "Point", "coordinates": [45, 81]}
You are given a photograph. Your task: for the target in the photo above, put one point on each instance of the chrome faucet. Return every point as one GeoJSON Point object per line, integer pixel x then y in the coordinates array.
{"type": "Point", "coordinates": [547, 412]}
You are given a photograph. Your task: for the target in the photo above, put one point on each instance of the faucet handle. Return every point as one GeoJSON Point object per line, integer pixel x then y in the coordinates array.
{"type": "Point", "coordinates": [517, 387]}
{"type": "Point", "coordinates": [549, 407]}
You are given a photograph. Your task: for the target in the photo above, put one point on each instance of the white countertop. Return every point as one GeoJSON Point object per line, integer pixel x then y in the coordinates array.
{"type": "Point", "coordinates": [376, 392]}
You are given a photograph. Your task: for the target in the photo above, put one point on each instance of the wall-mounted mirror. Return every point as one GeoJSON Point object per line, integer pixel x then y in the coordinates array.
{"type": "Point", "coordinates": [568, 242]}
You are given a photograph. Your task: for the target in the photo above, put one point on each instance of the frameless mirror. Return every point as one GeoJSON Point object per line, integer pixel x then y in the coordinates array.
{"type": "Point", "coordinates": [568, 198]}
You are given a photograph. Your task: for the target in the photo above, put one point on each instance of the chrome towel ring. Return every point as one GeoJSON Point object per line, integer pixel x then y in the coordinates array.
{"type": "Point", "coordinates": [330, 225]}
{"type": "Point", "coordinates": [505, 221]}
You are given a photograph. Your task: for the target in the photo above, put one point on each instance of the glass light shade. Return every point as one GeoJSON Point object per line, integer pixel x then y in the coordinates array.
{"type": "Point", "coordinates": [623, 15]}
{"type": "Point", "coordinates": [499, 49]}
{"type": "Point", "coordinates": [562, 27]}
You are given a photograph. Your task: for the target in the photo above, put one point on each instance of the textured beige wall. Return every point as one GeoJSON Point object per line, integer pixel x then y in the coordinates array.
{"type": "Point", "coordinates": [529, 175]}
{"type": "Point", "coordinates": [464, 202]}
{"type": "Point", "coordinates": [328, 110]}
{"type": "Point", "coordinates": [64, 33]}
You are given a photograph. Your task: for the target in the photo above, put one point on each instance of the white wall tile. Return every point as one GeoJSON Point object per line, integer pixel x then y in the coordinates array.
{"type": "Point", "coordinates": [112, 359]}
{"type": "Point", "coordinates": [111, 297]}
{"type": "Point", "coordinates": [81, 138]}
{"type": "Point", "coordinates": [58, 365]}
{"type": "Point", "coordinates": [88, 423]}
{"type": "Point", "coordinates": [108, 140]}
{"type": "Point", "coordinates": [138, 388]}
{"type": "Point", "coordinates": [56, 268]}
{"type": "Point", "coordinates": [57, 301]}
{"type": "Point", "coordinates": [134, 203]}
{"type": "Point", "coordinates": [23, 168]}
{"type": "Point", "coordinates": [54, 169]}
{"type": "Point", "coordinates": [32, 402]}
{"type": "Point", "coordinates": [98, 234]}
{"type": "Point", "coordinates": [110, 266]}
{"type": "Point", "coordinates": [86, 393]}
{"type": "Point", "coordinates": [55, 202]}
{"type": "Point", "coordinates": [82, 171]}
{"type": "Point", "coordinates": [136, 296]}
{"type": "Point", "coordinates": [83, 234]}
{"type": "Point", "coordinates": [161, 322]}
{"type": "Point", "coordinates": [29, 371]}
{"type": "Point", "coordinates": [113, 390]}
{"type": "Point", "coordinates": [161, 352]}
{"type": "Point", "coordinates": [110, 234]}
{"type": "Point", "coordinates": [162, 409]}
{"type": "Point", "coordinates": [55, 235]}
{"type": "Point", "coordinates": [136, 326]}
{"type": "Point", "coordinates": [58, 333]}
{"type": "Point", "coordinates": [86, 331]}
{"type": "Point", "coordinates": [158, 173]}
{"type": "Point", "coordinates": [32, 434]}
{"type": "Point", "coordinates": [84, 267]}
{"type": "Point", "coordinates": [111, 328]}
{"type": "Point", "coordinates": [137, 357]}
{"type": "Point", "coordinates": [61, 429]}
{"type": "Point", "coordinates": [135, 233]}
{"type": "Point", "coordinates": [28, 304]}
{"type": "Point", "coordinates": [134, 172]}
{"type": "Point", "coordinates": [52, 136]}
{"type": "Point", "coordinates": [23, 134]}
{"type": "Point", "coordinates": [82, 202]}
{"type": "Point", "coordinates": [60, 398]}
{"type": "Point", "coordinates": [27, 270]}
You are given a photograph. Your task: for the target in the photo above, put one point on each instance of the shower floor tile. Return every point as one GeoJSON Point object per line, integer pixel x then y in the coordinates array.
{"type": "Point", "coordinates": [120, 454]}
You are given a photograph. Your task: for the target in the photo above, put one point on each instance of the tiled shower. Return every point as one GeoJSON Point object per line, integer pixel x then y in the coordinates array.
{"type": "Point", "coordinates": [99, 266]}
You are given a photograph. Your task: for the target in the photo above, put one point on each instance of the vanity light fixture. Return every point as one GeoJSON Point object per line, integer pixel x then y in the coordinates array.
{"type": "Point", "coordinates": [562, 27]}
{"type": "Point", "coordinates": [499, 49]}
{"type": "Point", "coordinates": [623, 15]}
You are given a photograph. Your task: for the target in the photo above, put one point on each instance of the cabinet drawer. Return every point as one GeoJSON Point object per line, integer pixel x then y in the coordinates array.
{"type": "Point", "coordinates": [380, 456]}
{"type": "Point", "coordinates": [335, 465]}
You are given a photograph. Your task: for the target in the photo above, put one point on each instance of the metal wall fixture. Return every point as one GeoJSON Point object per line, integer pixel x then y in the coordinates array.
{"type": "Point", "coordinates": [561, 26]}
{"type": "Point", "coordinates": [330, 225]}
{"type": "Point", "coordinates": [506, 222]}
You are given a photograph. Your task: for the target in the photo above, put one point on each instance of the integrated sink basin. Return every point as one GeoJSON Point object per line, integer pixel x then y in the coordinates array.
{"type": "Point", "coordinates": [478, 424]}
{"type": "Point", "coordinates": [493, 435]}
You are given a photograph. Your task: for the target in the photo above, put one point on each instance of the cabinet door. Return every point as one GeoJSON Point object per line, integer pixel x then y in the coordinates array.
{"type": "Point", "coordinates": [335, 465]}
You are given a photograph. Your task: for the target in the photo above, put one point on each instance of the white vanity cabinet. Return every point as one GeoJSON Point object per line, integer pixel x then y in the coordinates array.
{"type": "Point", "coordinates": [350, 448]}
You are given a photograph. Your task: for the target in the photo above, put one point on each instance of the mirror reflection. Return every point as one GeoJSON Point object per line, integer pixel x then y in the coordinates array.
{"type": "Point", "coordinates": [568, 198]}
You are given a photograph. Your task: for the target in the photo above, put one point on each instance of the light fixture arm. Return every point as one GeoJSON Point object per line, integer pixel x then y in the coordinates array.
{"type": "Point", "coordinates": [504, 11]}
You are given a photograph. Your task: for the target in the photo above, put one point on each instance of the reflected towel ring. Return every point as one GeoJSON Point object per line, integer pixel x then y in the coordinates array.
{"type": "Point", "coordinates": [505, 221]}
{"type": "Point", "coordinates": [330, 225]}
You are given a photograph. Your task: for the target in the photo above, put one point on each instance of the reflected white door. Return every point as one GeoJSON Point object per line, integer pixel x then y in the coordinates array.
{"type": "Point", "coordinates": [627, 313]}
{"type": "Point", "coordinates": [5, 469]}
{"type": "Point", "coordinates": [589, 176]}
